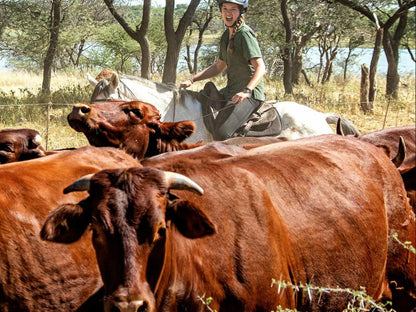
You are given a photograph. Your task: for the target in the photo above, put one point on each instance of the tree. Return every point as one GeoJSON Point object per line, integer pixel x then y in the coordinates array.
{"type": "Point", "coordinates": [286, 33]}
{"type": "Point", "coordinates": [82, 31]}
{"type": "Point", "coordinates": [55, 23]}
{"type": "Point", "coordinates": [391, 27]}
{"type": "Point", "coordinates": [140, 34]}
{"type": "Point", "coordinates": [201, 20]}
{"type": "Point", "coordinates": [174, 37]}
{"type": "Point", "coordinates": [116, 49]}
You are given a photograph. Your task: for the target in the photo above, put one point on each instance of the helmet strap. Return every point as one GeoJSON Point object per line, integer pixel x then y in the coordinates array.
{"type": "Point", "coordinates": [238, 19]}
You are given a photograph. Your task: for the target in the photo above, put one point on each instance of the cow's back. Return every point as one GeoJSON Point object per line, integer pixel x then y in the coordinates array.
{"type": "Point", "coordinates": [342, 171]}
{"type": "Point", "coordinates": [315, 206]}
{"type": "Point", "coordinates": [37, 275]}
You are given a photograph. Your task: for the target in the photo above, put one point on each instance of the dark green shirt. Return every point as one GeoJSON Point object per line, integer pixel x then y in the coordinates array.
{"type": "Point", "coordinates": [239, 70]}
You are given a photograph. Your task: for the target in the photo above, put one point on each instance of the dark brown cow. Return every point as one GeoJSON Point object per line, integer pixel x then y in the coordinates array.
{"type": "Point", "coordinates": [20, 144]}
{"type": "Point", "coordinates": [317, 216]}
{"type": "Point", "coordinates": [37, 275]}
{"type": "Point", "coordinates": [132, 126]}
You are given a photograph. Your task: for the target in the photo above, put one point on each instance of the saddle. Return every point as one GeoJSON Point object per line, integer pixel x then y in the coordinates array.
{"type": "Point", "coordinates": [266, 121]}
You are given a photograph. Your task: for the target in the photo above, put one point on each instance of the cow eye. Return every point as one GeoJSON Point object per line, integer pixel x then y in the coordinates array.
{"type": "Point", "coordinates": [94, 233]}
{"type": "Point", "coordinates": [7, 147]}
{"type": "Point", "coordinates": [137, 112]}
{"type": "Point", "coordinates": [161, 232]}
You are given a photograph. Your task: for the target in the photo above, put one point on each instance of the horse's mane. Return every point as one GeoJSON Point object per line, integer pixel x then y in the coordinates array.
{"type": "Point", "coordinates": [162, 87]}
{"type": "Point", "coordinates": [149, 83]}
{"type": "Point", "coordinates": [180, 95]}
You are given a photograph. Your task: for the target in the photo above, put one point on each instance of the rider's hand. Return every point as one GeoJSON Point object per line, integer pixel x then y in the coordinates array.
{"type": "Point", "coordinates": [186, 84]}
{"type": "Point", "coordinates": [240, 96]}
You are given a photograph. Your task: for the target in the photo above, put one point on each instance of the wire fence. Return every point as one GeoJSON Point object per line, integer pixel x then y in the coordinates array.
{"type": "Point", "coordinates": [50, 120]}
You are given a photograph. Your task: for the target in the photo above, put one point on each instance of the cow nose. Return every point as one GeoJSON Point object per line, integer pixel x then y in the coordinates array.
{"type": "Point", "coordinates": [129, 306]}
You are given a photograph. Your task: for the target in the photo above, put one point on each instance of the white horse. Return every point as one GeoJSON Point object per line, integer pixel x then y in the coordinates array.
{"type": "Point", "coordinates": [297, 121]}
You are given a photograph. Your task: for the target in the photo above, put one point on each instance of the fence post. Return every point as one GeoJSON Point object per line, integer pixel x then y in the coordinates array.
{"type": "Point", "coordinates": [364, 90]}
{"type": "Point", "coordinates": [47, 123]}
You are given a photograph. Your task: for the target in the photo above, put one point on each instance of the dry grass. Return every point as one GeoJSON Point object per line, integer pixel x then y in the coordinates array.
{"type": "Point", "coordinates": [16, 81]}
{"type": "Point", "coordinates": [339, 96]}
{"type": "Point", "coordinates": [344, 98]}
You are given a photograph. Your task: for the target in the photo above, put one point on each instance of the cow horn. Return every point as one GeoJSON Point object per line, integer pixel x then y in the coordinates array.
{"type": "Point", "coordinates": [401, 153]}
{"type": "Point", "coordinates": [37, 140]}
{"type": "Point", "coordinates": [82, 184]}
{"type": "Point", "coordinates": [339, 127]}
{"type": "Point", "coordinates": [178, 181]}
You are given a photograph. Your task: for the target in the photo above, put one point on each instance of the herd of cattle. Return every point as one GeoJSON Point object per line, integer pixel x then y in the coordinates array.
{"type": "Point", "coordinates": [143, 221]}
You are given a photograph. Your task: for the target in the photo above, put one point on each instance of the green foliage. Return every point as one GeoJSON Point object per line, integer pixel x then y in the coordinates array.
{"type": "Point", "coordinates": [68, 94]}
{"type": "Point", "coordinates": [407, 245]}
{"type": "Point", "coordinates": [207, 301]}
{"type": "Point", "coordinates": [116, 50]}
{"type": "Point", "coordinates": [359, 301]}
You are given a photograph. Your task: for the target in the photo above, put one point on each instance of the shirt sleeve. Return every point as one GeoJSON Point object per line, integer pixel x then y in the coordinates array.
{"type": "Point", "coordinates": [250, 48]}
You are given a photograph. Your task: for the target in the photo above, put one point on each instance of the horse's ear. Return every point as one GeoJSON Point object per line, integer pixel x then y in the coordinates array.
{"type": "Point", "coordinates": [114, 80]}
{"type": "Point", "coordinates": [93, 82]}
{"type": "Point", "coordinates": [178, 131]}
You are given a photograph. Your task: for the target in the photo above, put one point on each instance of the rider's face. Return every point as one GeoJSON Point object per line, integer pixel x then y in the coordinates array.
{"type": "Point", "coordinates": [230, 12]}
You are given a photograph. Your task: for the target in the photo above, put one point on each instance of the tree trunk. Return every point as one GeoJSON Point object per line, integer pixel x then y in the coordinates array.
{"type": "Point", "coordinates": [391, 42]}
{"type": "Point", "coordinates": [287, 55]}
{"type": "Point", "coordinates": [373, 66]}
{"type": "Point", "coordinates": [146, 58]}
{"type": "Point", "coordinates": [175, 38]}
{"type": "Point", "coordinates": [366, 106]}
{"type": "Point", "coordinates": [297, 61]}
{"type": "Point", "coordinates": [347, 60]}
{"type": "Point", "coordinates": [55, 17]}
{"type": "Point", "coordinates": [140, 35]}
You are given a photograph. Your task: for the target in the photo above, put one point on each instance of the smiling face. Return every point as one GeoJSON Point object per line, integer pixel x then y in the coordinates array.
{"type": "Point", "coordinates": [230, 13]}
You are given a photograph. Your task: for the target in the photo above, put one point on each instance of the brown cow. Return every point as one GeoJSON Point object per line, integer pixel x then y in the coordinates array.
{"type": "Point", "coordinates": [317, 216]}
{"type": "Point", "coordinates": [388, 139]}
{"type": "Point", "coordinates": [36, 275]}
{"type": "Point", "coordinates": [132, 126]}
{"type": "Point", "coordinates": [20, 144]}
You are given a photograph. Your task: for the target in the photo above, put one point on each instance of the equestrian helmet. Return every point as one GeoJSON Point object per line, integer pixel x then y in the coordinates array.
{"type": "Point", "coordinates": [241, 3]}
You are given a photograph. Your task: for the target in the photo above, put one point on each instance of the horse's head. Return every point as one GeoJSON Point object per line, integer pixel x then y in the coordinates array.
{"type": "Point", "coordinates": [109, 89]}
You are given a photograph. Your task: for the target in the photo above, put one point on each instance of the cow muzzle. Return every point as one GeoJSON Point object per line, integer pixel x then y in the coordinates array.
{"type": "Point", "coordinates": [129, 303]}
{"type": "Point", "coordinates": [132, 306]}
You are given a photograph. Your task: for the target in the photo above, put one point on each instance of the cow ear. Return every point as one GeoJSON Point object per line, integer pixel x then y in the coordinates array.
{"type": "Point", "coordinates": [177, 130]}
{"type": "Point", "coordinates": [190, 219]}
{"type": "Point", "coordinates": [65, 224]}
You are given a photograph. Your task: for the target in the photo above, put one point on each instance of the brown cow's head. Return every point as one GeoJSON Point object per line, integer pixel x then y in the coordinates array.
{"type": "Point", "coordinates": [133, 126]}
{"type": "Point", "coordinates": [20, 144]}
{"type": "Point", "coordinates": [131, 214]}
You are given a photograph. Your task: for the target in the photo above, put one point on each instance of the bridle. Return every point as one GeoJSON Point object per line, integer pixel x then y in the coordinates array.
{"type": "Point", "coordinates": [103, 86]}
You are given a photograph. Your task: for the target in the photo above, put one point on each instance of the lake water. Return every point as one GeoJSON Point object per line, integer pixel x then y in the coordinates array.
{"type": "Point", "coordinates": [311, 58]}
{"type": "Point", "coordinates": [406, 64]}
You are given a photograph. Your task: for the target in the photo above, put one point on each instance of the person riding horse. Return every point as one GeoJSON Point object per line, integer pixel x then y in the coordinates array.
{"type": "Point", "coordinates": [241, 58]}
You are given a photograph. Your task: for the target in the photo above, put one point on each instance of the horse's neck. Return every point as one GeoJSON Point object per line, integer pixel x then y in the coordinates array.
{"type": "Point", "coordinates": [188, 107]}
{"type": "Point", "coordinates": [161, 100]}
{"type": "Point", "coordinates": [171, 104]}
